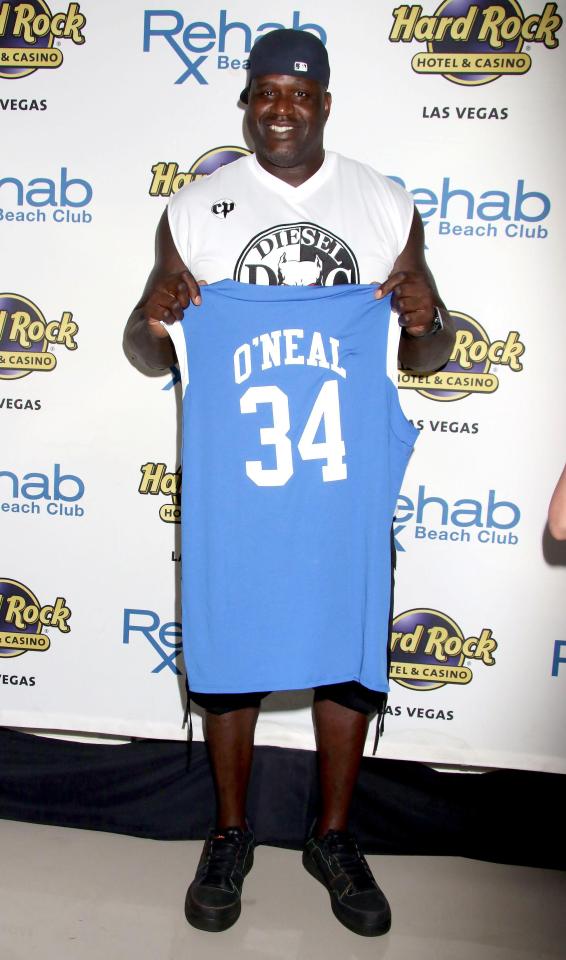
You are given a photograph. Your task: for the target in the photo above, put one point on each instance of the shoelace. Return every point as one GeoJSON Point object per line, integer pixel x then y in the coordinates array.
{"type": "Point", "coordinates": [221, 860]}
{"type": "Point", "coordinates": [343, 847]}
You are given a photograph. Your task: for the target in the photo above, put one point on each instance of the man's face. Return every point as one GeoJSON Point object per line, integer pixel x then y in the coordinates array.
{"type": "Point", "coordinates": [286, 117]}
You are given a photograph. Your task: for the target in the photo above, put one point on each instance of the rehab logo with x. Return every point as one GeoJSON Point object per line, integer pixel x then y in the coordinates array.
{"type": "Point", "coordinates": [165, 638]}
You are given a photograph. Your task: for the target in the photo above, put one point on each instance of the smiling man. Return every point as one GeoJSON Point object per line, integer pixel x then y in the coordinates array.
{"type": "Point", "coordinates": [293, 215]}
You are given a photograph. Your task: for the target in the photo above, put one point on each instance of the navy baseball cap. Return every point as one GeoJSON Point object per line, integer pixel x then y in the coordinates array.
{"type": "Point", "coordinates": [293, 53]}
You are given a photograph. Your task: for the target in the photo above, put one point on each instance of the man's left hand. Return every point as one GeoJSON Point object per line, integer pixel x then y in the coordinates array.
{"type": "Point", "coordinates": [412, 300]}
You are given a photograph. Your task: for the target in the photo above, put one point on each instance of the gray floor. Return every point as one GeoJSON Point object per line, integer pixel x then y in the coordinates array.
{"type": "Point", "coordinates": [81, 894]}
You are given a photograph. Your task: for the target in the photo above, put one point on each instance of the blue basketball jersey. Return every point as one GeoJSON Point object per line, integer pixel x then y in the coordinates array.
{"type": "Point", "coordinates": [294, 449]}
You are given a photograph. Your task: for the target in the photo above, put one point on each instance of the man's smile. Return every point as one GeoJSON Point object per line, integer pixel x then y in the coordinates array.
{"type": "Point", "coordinates": [279, 127]}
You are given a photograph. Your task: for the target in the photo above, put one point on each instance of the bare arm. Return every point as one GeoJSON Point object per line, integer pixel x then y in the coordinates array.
{"type": "Point", "coordinates": [168, 291]}
{"type": "Point", "coordinates": [414, 298]}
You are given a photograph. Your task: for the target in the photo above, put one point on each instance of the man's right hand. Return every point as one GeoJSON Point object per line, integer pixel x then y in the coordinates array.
{"type": "Point", "coordinates": [168, 300]}
{"type": "Point", "coordinates": [169, 290]}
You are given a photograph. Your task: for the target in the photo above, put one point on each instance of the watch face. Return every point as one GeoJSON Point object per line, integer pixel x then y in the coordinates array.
{"type": "Point", "coordinates": [437, 324]}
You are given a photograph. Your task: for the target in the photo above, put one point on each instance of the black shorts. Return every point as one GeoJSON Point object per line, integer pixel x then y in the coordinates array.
{"type": "Point", "coordinates": [350, 694]}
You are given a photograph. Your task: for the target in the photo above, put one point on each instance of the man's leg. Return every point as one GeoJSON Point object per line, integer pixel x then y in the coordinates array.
{"type": "Point", "coordinates": [213, 899]}
{"type": "Point", "coordinates": [230, 740]}
{"type": "Point", "coordinates": [332, 854]}
{"type": "Point", "coordinates": [341, 735]}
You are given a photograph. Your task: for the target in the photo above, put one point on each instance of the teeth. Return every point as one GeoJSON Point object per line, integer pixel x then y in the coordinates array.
{"type": "Point", "coordinates": [279, 129]}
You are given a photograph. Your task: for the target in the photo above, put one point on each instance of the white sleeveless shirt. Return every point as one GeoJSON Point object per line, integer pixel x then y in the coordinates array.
{"type": "Point", "coordinates": [346, 224]}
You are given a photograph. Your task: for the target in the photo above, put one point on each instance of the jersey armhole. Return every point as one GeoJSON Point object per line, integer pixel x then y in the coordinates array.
{"type": "Point", "coordinates": [177, 334]}
{"type": "Point", "coordinates": [404, 430]}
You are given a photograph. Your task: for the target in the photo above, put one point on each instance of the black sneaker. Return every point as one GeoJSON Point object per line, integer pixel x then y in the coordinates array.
{"type": "Point", "coordinates": [213, 898]}
{"type": "Point", "coordinates": [356, 899]}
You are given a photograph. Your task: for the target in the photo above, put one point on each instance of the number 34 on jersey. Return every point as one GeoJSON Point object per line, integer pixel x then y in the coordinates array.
{"type": "Point", "coordinates": [325, 413]}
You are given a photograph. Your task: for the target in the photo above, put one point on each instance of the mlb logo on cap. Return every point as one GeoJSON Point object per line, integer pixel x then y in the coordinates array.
{"type": "Point", "coordinates": [300, 66]}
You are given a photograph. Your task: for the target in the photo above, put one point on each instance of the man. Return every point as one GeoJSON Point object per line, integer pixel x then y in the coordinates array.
{"type": "Point", "coordinates": [290, 214]}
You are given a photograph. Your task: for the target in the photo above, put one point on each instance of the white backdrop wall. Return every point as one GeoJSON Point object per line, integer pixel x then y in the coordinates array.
{"type": "Point", "coordinates": [99, 118]}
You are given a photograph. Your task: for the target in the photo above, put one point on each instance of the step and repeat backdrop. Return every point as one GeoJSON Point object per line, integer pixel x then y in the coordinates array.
{"type": "Point", "coordinates": [106, 110]}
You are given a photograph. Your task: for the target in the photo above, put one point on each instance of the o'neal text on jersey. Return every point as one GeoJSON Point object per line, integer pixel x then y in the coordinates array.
{"type": "Point", "coordinates": [282, 348]}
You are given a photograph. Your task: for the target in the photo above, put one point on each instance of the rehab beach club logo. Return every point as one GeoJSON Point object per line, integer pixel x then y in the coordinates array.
{"type": "Point", "coordinates": [30, 36]}
{"type": "Point", "coordinates": [484, 519]}
{"type": "Point", "coordinates": [156, 480]}
{"type": "Point", "coordinates": [429, 650]}
{"type": "Point", "coordinates": [24, 620]}
{"type": "Point", "coordinates": [64, 198]}
{"type": "Point", "coordinates": [27, 338]}
{"type": "Point", "coordinates": [167, 179]}
{"type": "Point", "coordinates": [201, 46]}
{"type": "Point", "coordinates": [475, 43]}
{"type": "Point", "coordinates": [453, 209]}
{"type": "Point", "coordinates": [164, 637]}
{"type": "Point", "coordinates": [470, 367]}
{"type": "Point", "coordinates": [57, 494]}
